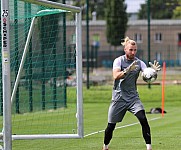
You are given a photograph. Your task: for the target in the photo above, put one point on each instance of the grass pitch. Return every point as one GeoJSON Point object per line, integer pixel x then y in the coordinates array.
{"type": "Point", "coordinates": [166, 133]}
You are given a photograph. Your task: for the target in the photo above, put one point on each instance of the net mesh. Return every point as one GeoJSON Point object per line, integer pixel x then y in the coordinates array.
{"type": "Point", "coordinates": [45, 100]}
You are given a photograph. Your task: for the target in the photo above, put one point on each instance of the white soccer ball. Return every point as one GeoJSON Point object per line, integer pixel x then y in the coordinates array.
{"type": "Point", "coordinates": [149, 75]}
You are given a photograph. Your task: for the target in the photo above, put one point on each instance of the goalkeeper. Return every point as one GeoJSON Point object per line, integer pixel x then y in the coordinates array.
{"type": "Point", "coordinates": [125, 97]}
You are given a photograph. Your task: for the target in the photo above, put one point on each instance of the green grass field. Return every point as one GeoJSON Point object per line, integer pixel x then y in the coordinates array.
{"type": "Point", "coordinates": [166, 133]}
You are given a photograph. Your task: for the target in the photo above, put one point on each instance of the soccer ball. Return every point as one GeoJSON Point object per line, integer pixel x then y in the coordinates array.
{"type": "Point", "coordinates": [149, 75]}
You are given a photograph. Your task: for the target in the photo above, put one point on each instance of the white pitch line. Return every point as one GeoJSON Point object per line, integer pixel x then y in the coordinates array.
{"type": "Point", "coordinates": [120, 127]}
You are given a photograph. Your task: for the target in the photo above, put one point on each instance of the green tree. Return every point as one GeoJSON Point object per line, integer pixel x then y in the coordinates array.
{"type": "Point", "coordinates": [159, 9]}
{"type": "Point", "coordinates": [116, 21]}
{"type": "Point", "coordinates": [177, 11]}
{"type": "Point", "coordinates": [99, 8]}
{"type": "Point", "coordinates": [94, 6]}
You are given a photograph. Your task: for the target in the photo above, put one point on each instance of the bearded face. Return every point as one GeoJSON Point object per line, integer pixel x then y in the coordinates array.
{"type": "Point", "coordinates": [130, 51]}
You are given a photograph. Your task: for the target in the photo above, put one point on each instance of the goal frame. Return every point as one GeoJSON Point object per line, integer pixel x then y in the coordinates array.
{"type": "Point", "coordinates": [6, 134]}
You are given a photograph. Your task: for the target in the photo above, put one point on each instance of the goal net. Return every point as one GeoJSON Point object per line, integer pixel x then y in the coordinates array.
{"type": "Point", "coordinates": [45, 69]}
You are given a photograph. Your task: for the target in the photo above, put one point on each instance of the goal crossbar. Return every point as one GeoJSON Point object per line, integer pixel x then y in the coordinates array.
{"type": "Point", "coordinates": [55, 5]}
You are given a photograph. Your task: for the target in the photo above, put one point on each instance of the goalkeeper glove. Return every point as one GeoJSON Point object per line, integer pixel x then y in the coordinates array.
{"type": "Point", "coordinates": [131, 67]}
{"type": "Point", "coordinates": [155, 65]}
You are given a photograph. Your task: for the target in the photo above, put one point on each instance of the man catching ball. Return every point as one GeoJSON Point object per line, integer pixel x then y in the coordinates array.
{"type": "Point", "coordinates": [126, 69]}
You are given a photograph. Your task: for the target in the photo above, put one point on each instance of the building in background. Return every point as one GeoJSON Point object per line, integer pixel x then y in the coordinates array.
{"type": "Point", "coordinates": [165, 40]}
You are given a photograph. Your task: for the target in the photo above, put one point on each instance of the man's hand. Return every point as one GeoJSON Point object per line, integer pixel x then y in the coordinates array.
{"type": "Point", "coordinates": [131, 67]}
{"type": "Point", "coordinates": [155, 65]}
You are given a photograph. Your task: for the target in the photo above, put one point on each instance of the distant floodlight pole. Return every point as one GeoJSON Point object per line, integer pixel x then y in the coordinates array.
{"type": "Point", "coordinates": [148, 18]}
{"type": "Point", "coordinates": [7, 130]}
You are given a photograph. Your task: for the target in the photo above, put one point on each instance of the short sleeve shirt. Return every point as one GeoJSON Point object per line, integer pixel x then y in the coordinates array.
{"type": "Point", "coordinates": [125, 89]}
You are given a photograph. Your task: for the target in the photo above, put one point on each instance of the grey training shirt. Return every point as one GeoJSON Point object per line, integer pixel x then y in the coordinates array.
{"type": "Point", "coordinates": [125, 89]}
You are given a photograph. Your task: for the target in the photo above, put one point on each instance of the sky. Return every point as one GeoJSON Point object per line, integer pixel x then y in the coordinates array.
{"type": "Point", "coordinates": [133, 5]}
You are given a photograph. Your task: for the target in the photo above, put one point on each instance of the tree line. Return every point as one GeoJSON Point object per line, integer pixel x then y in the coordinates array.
{"type": "Point", "coordinates": [160, 9]}
{"type": "Point", "coordinates": [116, 16]}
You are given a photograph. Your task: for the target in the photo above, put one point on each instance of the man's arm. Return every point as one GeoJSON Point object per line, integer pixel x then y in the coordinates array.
{"type": "Point", "coordinates": [118, 74]}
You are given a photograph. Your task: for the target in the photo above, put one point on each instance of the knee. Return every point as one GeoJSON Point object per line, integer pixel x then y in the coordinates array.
{"type": "Point", "coordinates": [110, 127]}
{"type": "Point", "coordinates": [142, 117]}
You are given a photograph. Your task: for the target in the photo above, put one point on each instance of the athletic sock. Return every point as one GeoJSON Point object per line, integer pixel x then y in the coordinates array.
{"type": "Point", "coordinates": [105, 146]}
{"type": "Point", "coordinates": [148, 146]}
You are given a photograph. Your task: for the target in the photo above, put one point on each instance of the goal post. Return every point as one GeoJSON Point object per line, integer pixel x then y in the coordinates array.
{"type": "Point", "coordinates": [45, 56]}
{"type": "Point", "coordinates": [6, 83]}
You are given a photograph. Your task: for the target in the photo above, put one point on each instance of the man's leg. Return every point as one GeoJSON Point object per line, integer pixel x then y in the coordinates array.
{"type": "Point", "coordinates": [108, 134]}
{"type": "Point", "coordinates": [145, 128]}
